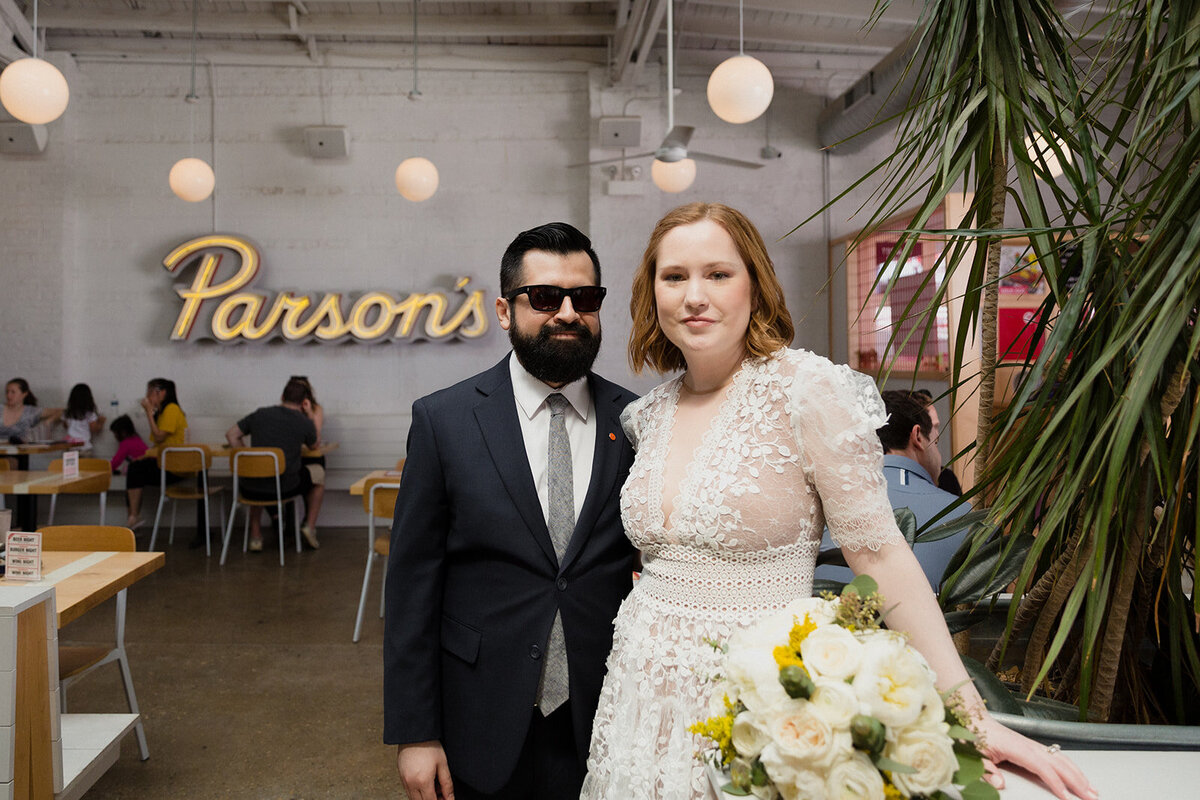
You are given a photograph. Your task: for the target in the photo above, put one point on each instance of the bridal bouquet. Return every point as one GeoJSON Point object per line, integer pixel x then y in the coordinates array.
{"type": "Point", "coordinates": [821, 703]}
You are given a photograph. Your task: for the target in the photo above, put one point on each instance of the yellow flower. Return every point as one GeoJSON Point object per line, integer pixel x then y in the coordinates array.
{"type": "Point", "coordinates": [890, 792]}
{"type": "Point", "coordinates": [789, 654]}
{"type": "Point", "coordinates": [720, 730]}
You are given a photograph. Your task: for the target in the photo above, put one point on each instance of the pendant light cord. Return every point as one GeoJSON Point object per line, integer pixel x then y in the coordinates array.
{"type": "Point", "coordinates": [670, 66]}
{"type": "Point", "coordinates": [415, 91]}
{"type": "Point", "coordinates": [195, 15]}
{"type": "Point", "coordinates": [35, 28]}
{"type": "Point", "coordinates": [741, 32]}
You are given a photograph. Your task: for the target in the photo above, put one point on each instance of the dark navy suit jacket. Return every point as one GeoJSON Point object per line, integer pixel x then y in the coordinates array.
{"type": "Point", "coordinates": [473, 583]}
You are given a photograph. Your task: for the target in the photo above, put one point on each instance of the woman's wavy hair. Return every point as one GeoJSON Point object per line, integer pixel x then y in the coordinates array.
{"type": "Point", "coordinates": [770, 323]}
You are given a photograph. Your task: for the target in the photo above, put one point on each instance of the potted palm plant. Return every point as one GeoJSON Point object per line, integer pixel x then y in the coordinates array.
{"type": "Point", "coordinates": [1092, 471]}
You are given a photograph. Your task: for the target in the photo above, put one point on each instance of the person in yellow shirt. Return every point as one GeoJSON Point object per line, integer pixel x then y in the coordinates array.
{"type": "Point", "coordinates": [168, 426]}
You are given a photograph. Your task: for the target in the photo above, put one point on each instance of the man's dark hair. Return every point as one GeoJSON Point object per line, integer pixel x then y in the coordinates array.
{"type": "Point", "coordinates": [924, 396]}
{"type": "Point", "coordinates": [296, 391]}
{"type": "Point", "coordinates": [553, 237]}
{"type": "Point", "coordinates": [904, 411]}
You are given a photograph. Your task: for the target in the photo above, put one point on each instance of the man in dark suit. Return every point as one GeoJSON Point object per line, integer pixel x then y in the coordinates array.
{"type": "Point", "coordinates": [508, 561]}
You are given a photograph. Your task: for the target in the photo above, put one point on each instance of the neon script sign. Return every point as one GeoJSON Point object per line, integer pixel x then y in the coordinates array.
{"type": "Point", "coordinates": [233, 312]}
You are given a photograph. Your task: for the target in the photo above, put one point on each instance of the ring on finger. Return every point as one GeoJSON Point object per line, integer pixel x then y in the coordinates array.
{"type": "Point", "coordinates": [1054, 748]}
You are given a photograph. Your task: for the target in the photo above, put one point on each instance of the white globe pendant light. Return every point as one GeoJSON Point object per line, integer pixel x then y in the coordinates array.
{"type": "Point", "coordinates": [741, 87]}
{"type": "Point", "coordinates": [673, 176]}
{"type": "Point", "coordinates": [34, 91]}
{"type": "Point", "coordinates": [416, 179]}
{"type": "Point", "coordinates": [192, 179]}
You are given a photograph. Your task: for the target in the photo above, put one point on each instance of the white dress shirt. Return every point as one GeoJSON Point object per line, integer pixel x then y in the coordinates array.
{"type": "Point", "coordinates": [534, 415]}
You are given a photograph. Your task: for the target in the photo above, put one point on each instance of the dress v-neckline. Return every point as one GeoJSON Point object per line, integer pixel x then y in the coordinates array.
{"type": "Point", "coordinates": [685, 491]}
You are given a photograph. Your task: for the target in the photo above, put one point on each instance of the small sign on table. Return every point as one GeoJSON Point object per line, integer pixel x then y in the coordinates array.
{"type": "Point", "coordinates": [23, 556]}
{"type": "Point", "coordinates": [71, 464]}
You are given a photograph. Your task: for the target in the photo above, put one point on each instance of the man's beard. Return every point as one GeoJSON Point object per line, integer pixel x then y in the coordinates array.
{"type": "Point", "coordinates": [552, 360]}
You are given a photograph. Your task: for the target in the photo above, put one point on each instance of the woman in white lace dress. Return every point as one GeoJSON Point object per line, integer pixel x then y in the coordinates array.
{"type": "Point", "coordinates": [741, 461]}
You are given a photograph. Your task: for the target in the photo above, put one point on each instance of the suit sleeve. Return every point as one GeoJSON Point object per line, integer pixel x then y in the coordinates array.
{"type": "Point", "coordinates": [415, 576]}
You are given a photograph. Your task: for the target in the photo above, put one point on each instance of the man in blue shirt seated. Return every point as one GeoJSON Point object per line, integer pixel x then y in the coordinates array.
{"type": "Point", "coordinates": [911, 462]}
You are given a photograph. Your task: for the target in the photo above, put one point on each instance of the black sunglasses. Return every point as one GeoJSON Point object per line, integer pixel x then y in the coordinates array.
{"type": "Point", "coordinates": [542, 297]}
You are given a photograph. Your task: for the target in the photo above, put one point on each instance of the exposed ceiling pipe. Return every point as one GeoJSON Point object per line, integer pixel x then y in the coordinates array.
{"type": "Point", "coordinates": [852, 120]}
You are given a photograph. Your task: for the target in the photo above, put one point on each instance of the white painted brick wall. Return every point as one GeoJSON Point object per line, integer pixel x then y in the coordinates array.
{"type": "Point", "coordinates": [84, 226]}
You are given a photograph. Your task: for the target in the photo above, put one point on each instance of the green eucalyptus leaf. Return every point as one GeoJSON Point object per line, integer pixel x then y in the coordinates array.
{"type": "Point", "coordinates": [862, 585]}
{"type": "Point", "coordinates": [884, 763]}
{"type": "Point", "coordinates": [729, 788]}
{"type": "Point", "coordinates": [970, 768]}
{"type": "Point", "coordinates": [979, 790]}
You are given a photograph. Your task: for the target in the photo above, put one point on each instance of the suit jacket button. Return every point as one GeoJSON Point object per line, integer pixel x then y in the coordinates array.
{"type": "Point", "coordinates": [535, 652]}
{"type": "Point", "coordinates": [562, 584]}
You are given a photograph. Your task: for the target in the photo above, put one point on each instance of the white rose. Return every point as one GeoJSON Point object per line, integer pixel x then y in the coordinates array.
{"type": "Point", "coordinates": [930, 753]}
{"type": "Point", "coordinates": [819, 610]}
{"type": "Point", "coordinates": [794, 781]}
{"type": "Point", "coordinates": [834, 701]}
{"type": "Point", "coordinates": [831, 651]}
{"type": "Point", "coordinates": [933, 711]}
{"type": "Point", "coordinates": [801, 735]}
{"type": "Point", "coordinates": [854, 778]}
{"type": "Point", "coordinates": [750, 734]}
{"type": "Point", "coordinates": [756, 675]}
{"type": "Point", "coordinates": [891, 682]}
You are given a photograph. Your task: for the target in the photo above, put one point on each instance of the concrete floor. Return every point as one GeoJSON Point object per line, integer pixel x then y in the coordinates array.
{"type": "Point", "coordinates": [248, 682]}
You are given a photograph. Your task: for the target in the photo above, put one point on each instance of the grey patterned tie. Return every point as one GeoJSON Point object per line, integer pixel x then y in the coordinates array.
{"type": "Point", "coordinates": [555, 686]}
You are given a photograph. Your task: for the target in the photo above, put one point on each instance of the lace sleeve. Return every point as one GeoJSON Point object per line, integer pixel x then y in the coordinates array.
{"type": "Point", "coordinates": [633, 419]}
{"type": "Point", "coordinates": [835, 412]}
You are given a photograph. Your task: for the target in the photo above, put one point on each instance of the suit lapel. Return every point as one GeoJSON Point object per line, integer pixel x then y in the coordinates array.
{"type": "Point", "coordinates": [496, 416]}
{"type": "Point", "coordinates": [610, 440]}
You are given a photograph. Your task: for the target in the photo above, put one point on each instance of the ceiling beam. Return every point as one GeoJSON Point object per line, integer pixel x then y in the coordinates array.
{"type": "Point", "coordinates": [15, 21]}
{"type": "Point", "coordinates": [397, 25]}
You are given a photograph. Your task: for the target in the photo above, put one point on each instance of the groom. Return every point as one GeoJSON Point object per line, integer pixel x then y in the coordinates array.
{"type": "Point", "coordinates": [508, 560]}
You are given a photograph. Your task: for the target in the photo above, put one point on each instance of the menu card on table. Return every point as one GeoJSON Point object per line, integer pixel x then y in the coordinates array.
{"type": "Point", "coordinates": [23, 556]}
{"type": "Point", "coordinates": [71, 464]}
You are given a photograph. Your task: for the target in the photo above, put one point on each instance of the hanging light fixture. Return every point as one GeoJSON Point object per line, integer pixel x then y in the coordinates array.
{"type": "Point", "coordinates": [741, 87]}
{"type": "Point", "coordinates": [416, 178]}
{"type": "Point", "coordinates": [33, 90]}
{"type": "Point", "coordinates": [191, 178]}
{"type": "Point", "coordinates": [677, 175]}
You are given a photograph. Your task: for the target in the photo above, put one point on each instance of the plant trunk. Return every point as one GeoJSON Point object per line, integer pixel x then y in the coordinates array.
{"type": "Point", "coordinates": [1036, 649]}
{"type": "Point", "coordinates": [989, 313]}
{"type": "Point", "coordinates": [1107, 656]}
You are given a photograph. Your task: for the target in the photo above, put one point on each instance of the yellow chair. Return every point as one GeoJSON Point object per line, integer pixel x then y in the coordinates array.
{"type": "Point", "coordinates": [258, 462]}
{"type": "Point", "coordinates": [76, 661]}
{"type": "Point", "coordinates": [194, 460]}
{"type": "Point", "coordinates": [98, 486]}
{"type": "Point", "coordinates": [379, 501]}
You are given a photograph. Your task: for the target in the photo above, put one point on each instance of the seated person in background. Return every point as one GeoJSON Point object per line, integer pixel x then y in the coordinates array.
{"type": "Point", "coordinates": [168, 428]}
{"type": "Point", "coordinates": [315, 464]}
{"type": "Point", "coordinates": [21, 412]}
{"type": "Point", "coordinates": [82, 418]}
{"type": "Point", "coordinates": [130, 446]}
{"type": "Point", "coordinates": [284, 426]}
{"type": "Point", "coordinates": [911, 459]}
{"type": "Point", "coordinates": [947, 481]}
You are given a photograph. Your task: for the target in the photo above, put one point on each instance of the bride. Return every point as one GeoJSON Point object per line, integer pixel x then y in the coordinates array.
{"type": "Point", "coordinates": [741, 461]}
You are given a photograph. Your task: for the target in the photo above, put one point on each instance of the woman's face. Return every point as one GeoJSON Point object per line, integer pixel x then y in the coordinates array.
{"type": "Point", "coordinates": [703, 291]}
{"type": "Point", "coordinates": [155, 396]}
{"type": "Point", "coordinates": [13, 396]}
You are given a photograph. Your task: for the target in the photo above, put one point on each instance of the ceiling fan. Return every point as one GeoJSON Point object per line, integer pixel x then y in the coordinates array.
{"type": "Point", "coordinates": [674, 146]}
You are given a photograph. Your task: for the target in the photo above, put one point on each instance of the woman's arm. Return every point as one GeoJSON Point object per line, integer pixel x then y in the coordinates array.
{"type": "Point", "coordinates": [914, 610]}
{"type": "Point", "coordinates": [51, 414]}
{"type": "Point", "coordinates": [156, 434]}
{"type": "Point", "coordinates": [97, 425]}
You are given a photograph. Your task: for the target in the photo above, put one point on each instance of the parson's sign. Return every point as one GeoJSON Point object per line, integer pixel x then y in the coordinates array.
{"type": "Point", "coordinates": [229, 311]}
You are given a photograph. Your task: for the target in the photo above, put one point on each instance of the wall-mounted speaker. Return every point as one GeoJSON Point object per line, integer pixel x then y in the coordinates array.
{"type": "Point", "coordinates": [18, 137]}
{"type": "Point", "coordinates": [620, 132]}
{"type": "Point", "coordinates": [327, 141]}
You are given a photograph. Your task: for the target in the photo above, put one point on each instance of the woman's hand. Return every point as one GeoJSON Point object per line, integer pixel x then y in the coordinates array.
{"type": "Point", "coordinates": [1052, 767]}
{"type": "Point", "coordinates": [147, 405]}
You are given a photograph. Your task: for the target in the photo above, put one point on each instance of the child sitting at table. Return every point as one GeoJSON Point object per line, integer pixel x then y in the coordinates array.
{"type": "Point", "coordinates": [130, 447]}
{"type": "Point", "coordinates": [81, 418]}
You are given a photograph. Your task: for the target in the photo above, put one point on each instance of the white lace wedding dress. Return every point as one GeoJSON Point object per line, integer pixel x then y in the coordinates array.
{"type": "Point", "coordinates": [792, 447]}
